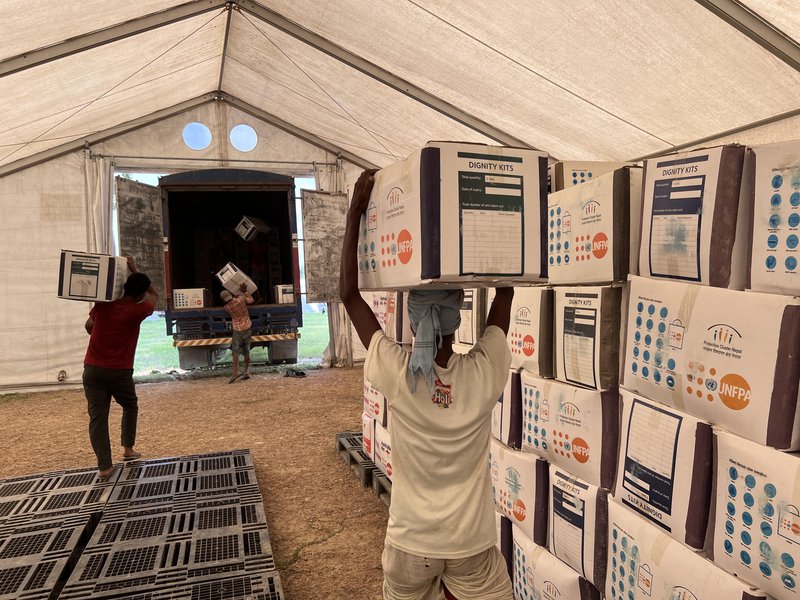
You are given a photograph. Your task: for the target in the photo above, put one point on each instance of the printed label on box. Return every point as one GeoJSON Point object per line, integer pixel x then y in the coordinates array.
{"type": "Point", "coordinates": [530, 332]}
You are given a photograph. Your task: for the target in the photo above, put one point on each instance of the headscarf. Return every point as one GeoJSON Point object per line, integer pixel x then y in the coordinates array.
{"type": "Point", "coordinates": [433, 314]}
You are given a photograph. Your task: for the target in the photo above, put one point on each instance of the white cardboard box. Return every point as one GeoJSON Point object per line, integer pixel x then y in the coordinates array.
{"type": "Point", "coordinates": [757, 514]}
{"type": "Point", "coordinates": [530, 332]}
{"type": "Point", "coordinates": [284, 294]}
{"type": "Point", "coordinates": [589, 231]}
{"type": "Point", "coordinates": [587, 322]}
{"type": "Point", "coordinates": [368, 435]}
{"type": "Point", "coordinates": [726, 356]}
{"type": "Point", "coordinates": [538, 575]}
{"type": "Point", "coordinates": [573, 428]}
{"type": "Point", "coordinates": [519, 485]}
{"type": "Point", "coordinates": [567, 173]}
{"type": "Point", "coordinates": [249, 227]}
{"type": "Point", "coordinates": [467, 333]}
{"type": "Point", "coordinates": [91, 277]}
{"type": "Point", "coordinates": [383, 450]}
{"type": "Point", "coordinates": [507, 413]}
{"type": "Point", "coordinates": [190, 298]}
{"type": "Point", "coordinates": [391, 310]}
{"type": "Point", "coordinates": [578, 525]}
{"type": "Point", "coordinates": [774, 264]}
{"type": "Point", "coordinates": [664, 470]}
{"type": "Point", "coordinates": [375, 403]}
{"type": "Point", "coordinates": [690, 210]}
{"type": "Point", "coordinates": [454, 213]}
{"type": "Point", "coordinates": [645, 564]}
{"type": "Point", "coordinates": [231, 278]}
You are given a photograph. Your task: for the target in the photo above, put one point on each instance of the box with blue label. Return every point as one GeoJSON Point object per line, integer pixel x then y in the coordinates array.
{"type": "Point", "coordinates": [645, 564]}
{"type": "Point", "coordinates": [530, 332]}
{"type": "Point", "coordinates": [757, 515]}
{"type": "Point", "coordinates": [567, 173]}
{"type": "Point", "coordinates": [539, 575]}
{"type": "Point", "coordinates": [453, 214]}
{"type": "Point", "coordinates": [573, 428]}
{"type": "Point", "coordinates": [726, 356]}
{"type": "Point", "coordinates": [775, 252]}
{"type": "Point", "coordinates": [589, 229]}
{"type": "Point", "coordinates": [519, 486]}
{"type": "Point", "coordinates": [507, 413]}
{"type": "Point", "coordinates": [587, 331]}
{"type": "Point", "coordinates": [91, 277]}
{"type": "Point", "coordinates": [578, 525]}
{"type": "Point", "coordinates": [690, 211]}
{"type": "Point", "coordinates": [664, 469]}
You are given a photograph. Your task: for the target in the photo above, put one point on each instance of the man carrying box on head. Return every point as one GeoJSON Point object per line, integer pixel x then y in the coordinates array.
{"type": "Point", "coordinates": [240, 323]}
{"type": "Point", "coordinates": [108, 367]}
{"type": "Point", "coordinates": [441, 529]}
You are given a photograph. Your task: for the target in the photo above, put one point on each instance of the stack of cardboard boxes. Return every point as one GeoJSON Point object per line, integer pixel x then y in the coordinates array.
{"type": "Point", "coordinates": [644, 441]}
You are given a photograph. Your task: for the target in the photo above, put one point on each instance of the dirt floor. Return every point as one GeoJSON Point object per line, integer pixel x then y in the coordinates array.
{"type": "Point", "coordinates": [327, 530]}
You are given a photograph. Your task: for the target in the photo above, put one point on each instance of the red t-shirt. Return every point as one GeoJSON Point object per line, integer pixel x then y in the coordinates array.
{"type": "Point", "coordinates": [115, 332]}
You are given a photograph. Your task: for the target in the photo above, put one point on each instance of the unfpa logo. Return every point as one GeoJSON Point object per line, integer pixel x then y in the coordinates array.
{"type": "Point", "coordinates": [394, 196]}
{"type": "Point", "coordinates": [600, 245]}
{"type": "Point", "coordinates": [405, 247]}
{"type": "Point", "coordinates": [580, 450]}
{"type": "Point", "coordinates": [734, 391]}
{"type": "Point", "coordinates": [528, 345]}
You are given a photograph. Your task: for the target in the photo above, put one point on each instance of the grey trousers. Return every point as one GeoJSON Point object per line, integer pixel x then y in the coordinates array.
{"type": "Point", "coordinates": [100, 385]}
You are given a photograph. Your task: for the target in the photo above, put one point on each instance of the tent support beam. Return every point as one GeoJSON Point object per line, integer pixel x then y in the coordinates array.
{"type": "Point", "coordinates": [378, 73]}
{"type": "Point", "coordinates": [304, 135]}
{"type": "Point", "coordinates": [224, 47]}
{"type": "Point", "coordinates": [35, 159]}
{"type": "Point", "coordinates": [757, 29]}
{"type": "Point", "coordinates": [108, 35]}
{"type": "Point", "coordinates": [722, 134]}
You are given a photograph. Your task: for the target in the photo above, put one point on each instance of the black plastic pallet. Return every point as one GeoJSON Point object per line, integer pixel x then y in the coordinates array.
{"type": "Point", "coordinates": [36, 558]}
{"type": "Point", "coordinates": [52, 496]}
{"type": "Point", "coordinates": [382, 486]}
{"type": "Point", "coordinates": [348, 440]}
{"type": "Point", "coordinates": [349, 447]}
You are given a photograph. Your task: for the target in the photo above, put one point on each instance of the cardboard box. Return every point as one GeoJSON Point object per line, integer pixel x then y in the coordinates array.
{"type": "Point", "coordinates": [453, 214]}
{"type": "Point", "coordinates": [505, 541]}
{"type": "Point", "coordinates": [190, 298]}
{"type": "Point", "coordinates": [664, 469]}
{"type": "Point", "coordinates": [232, 278]}
{"type": "Point", "coordinates": [391, 310]}
{"type": "Point", "coordinates": [645, 564]}
{"type": "Point", "coordinates": [574, 428]}
{"type": "Point", "coordinates": [689, 212]}
{"type": "Point", "coordinates": [284, 294]}
{"type": "Point", "coordinates": [774, 263]}
{"type": "Point", "coordinates": [587, 336]}
{"type": "Point", "coordinates": [530, 332]}
{"type": "Point", "coordinates": [249, 227]}
{"type": "Point", "coordinates": [375, 403]}
{"type": "Point", "coordinates": [91, 277]}
{"type": "Point", "coordinates": [726, 356]}
{"type": "Point", "coordinates": [519, 485]}
{"type": "Point", "coordinates": [507, 413]}
{"type": "Point", "coordinates": [568, 173]}
{"type": "Point", "coordinates": [540, 575]}
{"type": "Point", "coordinates": [383, 450]}
{"type": "Point", "coordinates": [578, 525]}
{"type": "Point", "coordinates": [757, 519]}
{"type": "Point", "coordinates": [467, 333]}
{"type": "Point", "coordinates": [588, 234]}
{"type": "Point", "coordinates": [368, 435]}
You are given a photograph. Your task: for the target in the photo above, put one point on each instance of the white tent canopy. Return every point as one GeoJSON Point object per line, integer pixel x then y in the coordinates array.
{"type": "Point", "coordinates": [349, 83]}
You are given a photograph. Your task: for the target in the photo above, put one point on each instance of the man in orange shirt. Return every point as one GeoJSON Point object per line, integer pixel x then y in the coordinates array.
{"type": "Point", "coordinates": [241, 324]}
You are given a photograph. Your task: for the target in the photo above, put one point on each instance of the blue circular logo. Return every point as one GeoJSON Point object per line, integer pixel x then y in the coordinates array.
{"type": "Point", "coordinates": [636, 351]}
{"type": "Point", "coordinates": [732, 491]}
{"type": "Point", "coordinates": [671, 364]}
{"type": "Point", "coordinates": [766, 529]}
{"type": "Point", "coordinates": [765, 569]}
{"type": "Point", "coordinates": [733, 473]}
{"type": "Point", "coordinates": [634, 367]}
{"type": "Point", "coordinates": [787, 560]}
{"type": "Point", "coordinates": [791, 263]}
{"type": "Point", "coordinates": [750, 481]}
{"type": "Point", "coordinates": [729, 527]}
{"type": "Point", "coordinates": [731, 508]}
{"type": "Point", "coordinates": [646, 355]}
{"type": "Point", "coordinates": [794, 220]}
{"type": "Point", "coordinates": [794, 199]}
{"type": "Point", "coordinates": [749, 501]}
{"type": "Point", "coordinates": [788, 581]}
{"type": "Point", "coordinates": [728, 546]}
{"type": "Point", "coordinates": [775, 200]}
{"type": "Point", "coordinates": [649, 324]}
{"type": "Point", "coordinates": [670, 381]}
{"type": "Point", "coordinates": [648, 339]}
{"type": "Point", "coordinates": [791, 241]}
{"type": "Point", "coordinates": [777, 181]}
{"type": "Point", "coordinates": [640, 307]}
{"type": "Point", "coordinates": [645, 371]}
{"type": "Point", "coordinates": [770, 490]}
{"type": "Point", "coordinates": [746, 539]}
{"type": "Point", "coordinates": [772, 241]}
{"type": "Point", "coordinates": [747, 518]}
{"type": "Point", "coordinates": [637, 336]}
{"type": "Point", "coordinates": [769, 510]}
{"type": "Point", "coordinates": [745, 557]}
{"type": "Point", "coordinates": [774, 220]}
{"type": "Point", "coordinates": [771, 262]}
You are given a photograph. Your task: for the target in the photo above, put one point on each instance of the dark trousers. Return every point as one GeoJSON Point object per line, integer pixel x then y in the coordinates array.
{"type": "Point", "coordinates": [100, 385]}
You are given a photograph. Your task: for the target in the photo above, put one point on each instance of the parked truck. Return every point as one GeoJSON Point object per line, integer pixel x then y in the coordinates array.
{"type": "Point", "coordinates": [184, 231]}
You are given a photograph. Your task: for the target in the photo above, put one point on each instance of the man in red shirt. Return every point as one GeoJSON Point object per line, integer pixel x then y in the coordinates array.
{"type": "Point", "coordinates": [108, 367]}
{"type": "Point", "coordinates": [241, 324]}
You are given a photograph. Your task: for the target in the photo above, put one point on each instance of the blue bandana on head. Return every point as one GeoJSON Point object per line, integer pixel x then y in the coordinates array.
{"type": "Point", "coordinates": [433, 314]}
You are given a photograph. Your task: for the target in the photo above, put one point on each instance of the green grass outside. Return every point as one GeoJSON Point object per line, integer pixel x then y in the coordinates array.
{"type": "Point", "coordinates": [155, 352]}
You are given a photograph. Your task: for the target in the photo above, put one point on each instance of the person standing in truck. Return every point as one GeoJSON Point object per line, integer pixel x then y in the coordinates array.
{"type": "Point", "coordinates": [236, 306]}
{"type": "Point", "coordinates": [113, 328]}
{"type": "Point", "coordinates": [441, 533]}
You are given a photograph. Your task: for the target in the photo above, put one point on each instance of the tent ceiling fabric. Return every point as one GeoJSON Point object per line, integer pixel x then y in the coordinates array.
{"type": "Point", "coordinates": [597, 79]}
